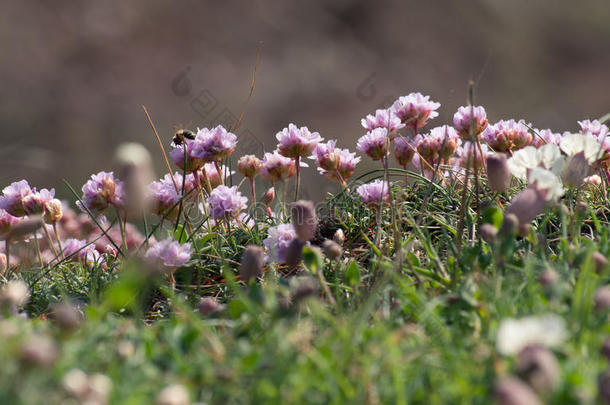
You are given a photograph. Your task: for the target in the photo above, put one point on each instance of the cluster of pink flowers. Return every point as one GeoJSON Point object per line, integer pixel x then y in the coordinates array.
{"type": "Point", "coordinates": [103, 191]}
{"type": "Point", "coordinates": [374, 194]}
{"type": "Point", "coordinates": [169, 254]}
{"type": "Point", "coordinates": [226, 202]}
{"type": "Point", "coordinates": [508, 136]}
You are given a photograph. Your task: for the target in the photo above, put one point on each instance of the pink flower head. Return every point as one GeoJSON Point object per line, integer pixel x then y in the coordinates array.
{"type": "Point", "coordinates": [508, 136]}
{"type": "Point", "coordinates": [79, 250]}
{"type": "Point", "coordinates": [6, 221]}
{"type": "Point", "coordinates": [415, 109]}
{"type": "Point", "coordinates": [34, 202]}
{"type": "Point", "coordinates": [347, 164]}
{"type": "Point", "coordinates": [101, 191]}
{"type": "Point", "coordinates": [374, 143]}
{"type": "Point", "coordinates": [164, 196]}
{"type": "Point", "coordinates": [545, 136]}
{"type": "Point", "coordinates": [186, 160]}
{"type": "Point", "coordinates": [277, 167]}
{"type": "Point", "coordinates": [277, 241]}
{"type": "Point", "coordinates": [12, 197]}
{"type": "Point", "coordinates": [326, 156]}
{"type": "Point", "coordinates": [404, 149]}
{"type": "Point", "coordinates": [214, 176]}
{"type": "Point", "coordinates": [169, 253]}
{"type": "Point", "coordinates": [249, 166]}
{"type": "Point", "coordinates": [440, 144]}
{"type": "Point", "coordinates": [226, 202]}
{"type": "Point", "coordinates": [470, 153]}
{"type": "Point", "coordinates": [382, 119]}
{"type": "Point", "coordinates": [595, 128]}
{"type": "Point", "coordinates": [375, 193]}
{"type": "Point", "coordinates": [297, 142]}
{"type": "Point", "coordinates": [462, 119]}
{"type": "Point", "coordinates": [213, 145]}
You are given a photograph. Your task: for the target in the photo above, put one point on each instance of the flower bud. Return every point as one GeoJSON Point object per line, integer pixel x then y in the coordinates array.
{"type": "Point", "coordinates": [76, 383]}
{"type": "Point", "coordinates": [548, 277]}
{"type": "Point", "coordinates": [293, 255]}
{"type": "Point", "coordinates": [39, 351]}
{"type": "Point", "coordinates": [249, 166]}
{"type": "Point", "coordinates": [332, 249]}
{"type": "Point", "coordinates": [602, 298]}
{"type": "Point", "coordinates": [304, 287]}
{"type": "Point", "coordinates": [538, 367]}
{"type": "Point", "coordinates": [53, 211]}
{"type": "Point", "coordinates": [14, 294]}
{"type": "Point", "coordinates": [125, 349]}
{"type": "Point", "coordinates": [269, 196]}
{"type": "Point", "coordinates": [304, 220]}
{"type": "Point", "coordinates": [339, 237]}
{"type": "Point", "coordinates": [511, 391]}
{"type": "Point", "coordinates": [175, 394]}
{"type": "Point", "coordinates": [252, 262]}
{"type": "Point", "coordinates": [66, 316]}
{"type": "Point", "coordinates": [208, 306]}
{"type": "Point", "coordinates": [498, 173]}
{"type": "Point", "coordinates": [600, 261]}
{"type": "Point", "coordinates": [510, 225]}
{"type": "Point", "coordinates": [577, 168]}
{"type": "Point", "coordinates": [488, 233]}
{"type": "Point", "coordinates": [527, 205]}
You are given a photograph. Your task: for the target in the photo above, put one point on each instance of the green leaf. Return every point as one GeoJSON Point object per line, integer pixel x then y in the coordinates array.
{"type": "Point", "coordinates": [312, 259]}
{"type": "Point", "coordinates": [493, 215]}
{"type": "Point", "coordinates": [352, 274]}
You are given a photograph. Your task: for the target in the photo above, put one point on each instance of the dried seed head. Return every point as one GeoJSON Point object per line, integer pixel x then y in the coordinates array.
{"type": "Point", "coordinates": [175, 394]}
{"type": "Point", "coordinates": [600, 261]}
{"type": "Point", "coordinates": [136, 171]}
{"type": "Point", "coordinates": [538, 367]}
{"type": "Point", "coordinates": [339, 236]}
{"type": "Point", "coordinates": [208, 306]}
{"type": "Point", "coordinates": [602, 298]}
{"type": "Point", "coordinates": [488, 233]}
{"type": "Point", "coordinates": [498, 173]}
{"type": "Point", "coordinates": [252, 262]}
{"type": "Point", "coordinates": [332, 249]}
{"type": "Point", "coordinates": [511, 391]}
{"type": "Point", "coordinates": [304, 220]}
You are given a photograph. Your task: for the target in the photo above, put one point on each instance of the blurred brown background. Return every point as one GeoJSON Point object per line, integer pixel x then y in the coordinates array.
{"type": "Point", "coordinates": [74, 74]}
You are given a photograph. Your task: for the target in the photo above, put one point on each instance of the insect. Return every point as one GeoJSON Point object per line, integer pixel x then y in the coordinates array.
{"type": "Point", "coordinates": [180, 134]}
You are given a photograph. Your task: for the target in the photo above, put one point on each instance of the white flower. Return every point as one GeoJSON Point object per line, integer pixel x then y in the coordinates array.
{"type": "Point", "coordinates": [572, 144]}
{"type": "Point", "coordinates": [515, 334]}
{"type": "Point", "coordinates": [547, 182]}
{"type": "Point", "coordinates": [528, 158]}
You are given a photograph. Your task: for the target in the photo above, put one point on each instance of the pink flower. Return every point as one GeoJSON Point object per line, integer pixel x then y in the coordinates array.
{"type": "Point", "coordinates": [213, 145]}
{"type": "Point", "coordinates": [374, 143]}
{"type": "Point", "coordinates": [375, 193]}
{"type": "Point", "coordinates": [133, 238]}
{"type": "Point", "coordinates": [6, 221]}
{"type": "Point", "coordinates": [508, 136]}
{"type": "Point", "coordinates": [214, 176]}
{"type": "Point", "coordinates": [277, 167]}
{"type": "Point", "coordinates": [79, 250]}
{"type": "Point", "coordinates": [277, 241]}
{"type": "Point", "coordinates": [12, 197]}
{"type": "Point", "coordinates": [595, 128]}
{"type": "Point", "coordinates": [462, 119]}
{"type": "Point", "coordinates": [297, 142]}
{"type": "Point", "coordinates": [546, 136]}
{"type": "Point", "coordinates": [34, 202]}
{"type": "Point", "coordinates": [440, 144]}
{"type": "Point", "coordinates": [169, 253]}
{"type": "Point", "coordinates": [382, 119]}
{"type": "Point", "coordinates": [470, 152]}
{"type": "Point", "coordinates": [102, 191]}
{"type": "Point", "coordinates": [226, 202]}
{"type": "Point", "coordinates": [347, 164]}
{"type": "Point", "coordinates": [249, 166]}
{"type": "Point", "coordinates": [179, 157]}
{"type": "Point", "coordinates": [404, 149]}
{"type": "Point", "coordinates": [415, 110]}
{"type": "Point", "coordinates": [326, 156]}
